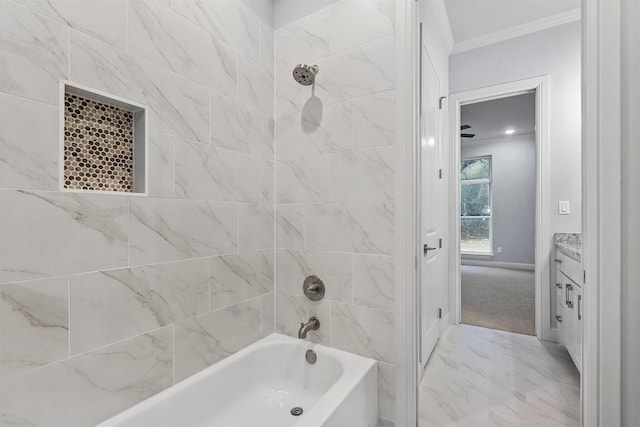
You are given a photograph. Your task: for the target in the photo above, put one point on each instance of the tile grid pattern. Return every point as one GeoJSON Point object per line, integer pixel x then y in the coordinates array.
{"type": "Point", "coordinates": [107, 300]}
{"type": "Point", "coordinates": [335, 181]}
{"type": "Point", "coordinates": [482, 377]}
{"type": "Point", "coordinates": [98, 145]}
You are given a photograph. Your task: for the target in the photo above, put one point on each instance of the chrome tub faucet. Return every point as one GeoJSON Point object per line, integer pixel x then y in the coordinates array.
{"type": "Point", "coordinates": [312, 325]}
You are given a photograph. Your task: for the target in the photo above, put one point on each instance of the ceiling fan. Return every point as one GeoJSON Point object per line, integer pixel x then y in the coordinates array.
{"type": "Point", "coordinates": [466, 135]}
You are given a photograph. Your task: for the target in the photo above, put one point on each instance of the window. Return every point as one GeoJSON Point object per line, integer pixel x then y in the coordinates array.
{"type": "Point", "coordinates": [475, 230]}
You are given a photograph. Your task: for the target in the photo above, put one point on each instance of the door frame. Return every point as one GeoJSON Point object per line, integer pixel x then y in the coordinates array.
{"type": "Point", "coordinates": [542, 240]}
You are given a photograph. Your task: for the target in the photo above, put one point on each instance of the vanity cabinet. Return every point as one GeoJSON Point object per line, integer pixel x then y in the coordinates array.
{"type": "Point", "coordinates": [569, 306]}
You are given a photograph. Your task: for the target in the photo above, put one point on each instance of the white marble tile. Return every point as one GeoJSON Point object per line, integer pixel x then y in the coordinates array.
{"type": "Point", "coordinates": [181, 107]}
{"type": "Point", "coordinates": [209, 173]}
{"type": "Point", "coordinates": [255, 86]}
{"type": "Point", "coordinates": [239, 277]}
{"type": "Point", "coordinates": [100, 66]}
{"type": "Point", "coordinates": [303, 180]}
{"type": "Point", "coordinates": [34, 324]}
{"type": "Point", "coordinates": [387, 391]}
{"type": "Point", "coordinates": [34, 52]}
{"type": "Point", "coordinates": [363, 331]}
{"type": "Point", "coordinates": [169, 40]}
{"type": "Point", "coordinates": [229, 124]}
{"type": "Point", "coordinates": [161, 166]}
{"type": "Point", "coordinates": [28, 154]}
{"type": "Point", "coordinates": [360, 227]}
{"type": "Point", "coordinates": [92, 387]}
{"type": "Point", "coordinates": [374, 279]}
{"type": "Point", "coordinates": [288, 93]}
{"type": "Point", "coordinates": [238, 128]}
{"type": "Point", "coordinates": [102, 19]}
{"type": "Point", "coordinates": [227, 20]}
{"type": "Point", "coordinates": [335, 270]}
{"type": "Point", "coordinates": [316, 129]}
{"type": "Point", "coordinates": [293, 310]}
{"type": "Point", "coordinates": [479, 376]}
{"type": "Point", "coordinates": [256, 226]}
{"type": "Point", "coordinates": [48, 234]}
{"type": "Point", "coordinates": [374, 120]}
{"type": "Point", "coordinates": [303, 41]}
{"type": "Point", "coordinates": [267, 178]}
{"type": "Point", "coordinates": [268, 319]}
{"type": "Point", "coordinates": [355, 21]}
{"type": "Point", "coordinates": [113, 305]}
{"type": "Point", "coordinates": [290, 226]}
{"type": "Point", "coordinates": [177, 105]}
{"type": "Point", "coordinates": [371, 69]}
{"type": "Point", "coordinates": [267, 48]}
{"type": "Point", "coordinates": [207, 339]}
{"type": "Point", "coordinates": [363, 175]}
{"type": "Point", "coordinates": [261, 130]}
{"type": "Point", "coordinates": [168, 230]}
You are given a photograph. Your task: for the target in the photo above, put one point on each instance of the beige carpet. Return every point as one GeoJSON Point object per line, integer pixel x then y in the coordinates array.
{"type": "Point", "coordinates": [499, 298]}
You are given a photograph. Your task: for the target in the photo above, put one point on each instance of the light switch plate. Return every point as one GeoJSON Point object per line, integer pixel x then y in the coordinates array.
{"type": "Point", "coordinates": [564, 208]}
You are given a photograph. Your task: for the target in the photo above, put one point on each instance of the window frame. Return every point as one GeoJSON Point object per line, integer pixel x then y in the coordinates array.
{"type": "Point", "coordinates": [490, 217]}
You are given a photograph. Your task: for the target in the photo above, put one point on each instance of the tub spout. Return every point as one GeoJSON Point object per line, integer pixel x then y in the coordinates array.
{"type": "Point", "coordinates": [312, 325]}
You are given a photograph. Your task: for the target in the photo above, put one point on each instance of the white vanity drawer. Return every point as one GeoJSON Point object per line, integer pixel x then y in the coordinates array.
{"type": "Point", "coordinates": [571, 268]}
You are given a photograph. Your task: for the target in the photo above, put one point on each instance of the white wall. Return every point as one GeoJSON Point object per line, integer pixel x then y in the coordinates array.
{"type": "Point", "coordinates": [630, 338]}
{"type": "Point", "coordinates": [513, 192]}
{"type": "Point", "coordinates": [555, 52]}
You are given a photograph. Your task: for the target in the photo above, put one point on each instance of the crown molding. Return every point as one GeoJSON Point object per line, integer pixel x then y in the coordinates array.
{"type": "Point", "coordinates": [520, 30]}
{"type": "Point", "coordinates": [443, 21]}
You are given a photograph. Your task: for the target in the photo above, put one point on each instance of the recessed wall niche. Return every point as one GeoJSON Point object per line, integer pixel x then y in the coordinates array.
{"type": "Point", "coordinates": [104, 142]}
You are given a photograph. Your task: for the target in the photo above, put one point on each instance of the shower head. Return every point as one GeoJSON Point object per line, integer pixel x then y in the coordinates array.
{"type": "Point", "coordinates": [305, 74]}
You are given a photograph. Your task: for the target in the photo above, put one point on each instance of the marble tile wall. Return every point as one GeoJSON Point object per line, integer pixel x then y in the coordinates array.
{"type": "Point", "coordinates": [335, 181]}
{"type": "Point", "coordinates": [106, 300]}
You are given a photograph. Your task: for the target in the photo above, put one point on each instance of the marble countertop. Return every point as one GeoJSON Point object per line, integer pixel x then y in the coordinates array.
{"type": "Point", "coordinates": [570, 244]}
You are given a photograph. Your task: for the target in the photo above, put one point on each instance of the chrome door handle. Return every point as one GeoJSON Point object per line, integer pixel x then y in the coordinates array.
{"type": "Point", "coordinates": [559, 261]}
{"type": "Point", "coordinates": [426, 249]}
{"type": "Point", "coordinates": [559, 285]}
{"type": "Point", "coordinates": [559, 318]}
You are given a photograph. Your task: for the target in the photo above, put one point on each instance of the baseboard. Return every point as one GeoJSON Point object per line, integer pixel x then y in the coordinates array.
{"type": "Point", "coordinates": [511, 265]}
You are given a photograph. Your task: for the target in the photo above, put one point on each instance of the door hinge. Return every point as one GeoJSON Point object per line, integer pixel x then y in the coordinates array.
{"type": "Point", "coordinates": [439, 313]}
{"type": "Point", "coordinates": [440, 243]}
{"type": "Point", "coordinates": [584, 276]}
{"type": "Point", "coordinates": [440, 173]}
{"type": "Point", "coordinates": [442, 98]}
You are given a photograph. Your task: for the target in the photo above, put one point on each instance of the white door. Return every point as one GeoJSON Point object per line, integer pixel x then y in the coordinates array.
{"type": "Point", "coordinates": [430, 208]}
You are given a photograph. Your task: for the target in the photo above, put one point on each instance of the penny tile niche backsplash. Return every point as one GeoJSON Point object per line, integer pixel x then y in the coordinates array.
{"type": "Point", "coordinates": [98, 145]}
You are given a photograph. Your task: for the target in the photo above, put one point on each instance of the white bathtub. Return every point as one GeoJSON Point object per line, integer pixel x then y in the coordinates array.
{"type": "Point", "coordinates": [258, 387]}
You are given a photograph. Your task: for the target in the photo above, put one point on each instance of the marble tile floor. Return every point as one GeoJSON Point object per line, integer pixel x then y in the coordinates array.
{"type": "Point", "coordinates": [479, 377]}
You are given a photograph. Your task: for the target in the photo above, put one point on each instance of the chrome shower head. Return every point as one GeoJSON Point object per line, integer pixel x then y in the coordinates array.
{"type": "Point", "coordinates": [305, 74]}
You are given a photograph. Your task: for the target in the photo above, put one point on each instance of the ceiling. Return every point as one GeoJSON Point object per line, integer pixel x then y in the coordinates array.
{"type": "Point", "coordinates": [490, 119]}
{"type": "Point", "coordinates": [472, 19]}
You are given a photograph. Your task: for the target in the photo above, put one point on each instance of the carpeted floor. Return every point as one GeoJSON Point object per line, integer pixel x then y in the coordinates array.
{"type": "Point", "coordinates": [499, 298]}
